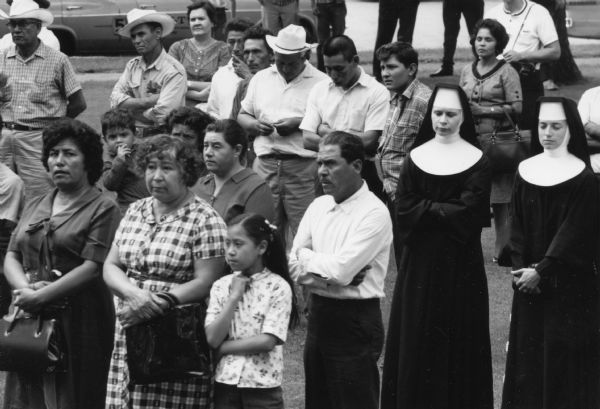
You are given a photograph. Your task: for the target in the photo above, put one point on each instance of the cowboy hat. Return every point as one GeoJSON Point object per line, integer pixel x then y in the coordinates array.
{"type": "Point", "coordinates": [290, 40]}
{"type": "Point", "coordinates": [136, 16]}
{"type": "Point", "coordinates": [22, 9]}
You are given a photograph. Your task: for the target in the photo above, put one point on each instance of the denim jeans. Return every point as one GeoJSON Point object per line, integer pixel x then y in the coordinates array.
{"type": "Point", "coordinates": [232, 397]}
{"type": "Point", "coordinates": [343, 343]}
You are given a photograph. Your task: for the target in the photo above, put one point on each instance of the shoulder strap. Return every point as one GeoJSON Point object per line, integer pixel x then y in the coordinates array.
{"type": "Point", "coordinates": [522, 24]}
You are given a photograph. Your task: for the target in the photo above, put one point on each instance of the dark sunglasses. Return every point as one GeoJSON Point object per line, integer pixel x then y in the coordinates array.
{"type": "Point", "coordinates": [21, 23]}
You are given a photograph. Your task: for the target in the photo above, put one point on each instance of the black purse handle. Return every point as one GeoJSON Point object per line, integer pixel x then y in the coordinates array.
{"type": "Point", "coordinates": [513, 124]}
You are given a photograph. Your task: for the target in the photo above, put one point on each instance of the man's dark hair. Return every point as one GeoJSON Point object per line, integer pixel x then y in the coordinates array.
{"type": "Point", "coordinates": [83, 136]}
{"type": "Point", "coordinates": [238, 24]}
{"type": "Point", "coordinates": [403, 52]}
{"type": "Point", "coordinates": [497, 31]}
{"type": "Point", "coordinates": [258, 33]}
{"type": "Point", "coordinates": [209, 8]}
{"type": "Point", "coordinates": [117, 118]}
{"type": "Point", "coordinates": [351, 146]}
{"type": "Point", "coordinates": [233, 133]}
{"type": "Point", "coordinates": [340, 45]}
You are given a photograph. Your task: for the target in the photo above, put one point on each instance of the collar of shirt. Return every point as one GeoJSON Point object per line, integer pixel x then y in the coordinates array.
{"type": "Point", "coordinates": [256, 276]}
{"type": "Point", "coordinates": [157, 64]}
{"type": "Point", "coordinates": [237, 178]}
{"type": "Point", "coordinates": [347, 205]}
{"type": "Point", "coordinates": [307, 72]}
{"type": "Point", "coordinates": [408, 92]}
{"type": "Point", "coordinates": [363, 81]}
{"type": "Point", "coordinates": [41, 51]}
{"type": "Point", "coordinates": [518, 12]}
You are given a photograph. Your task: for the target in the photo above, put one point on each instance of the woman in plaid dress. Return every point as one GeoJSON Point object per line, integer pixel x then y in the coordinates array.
{"type": "Point", "coordinates": [170, 242]}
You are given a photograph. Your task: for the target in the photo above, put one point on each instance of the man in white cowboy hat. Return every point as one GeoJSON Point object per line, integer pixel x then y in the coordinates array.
{"type": "Point", "coordinates": [154, 83]}
{"type": "Point", "coordinates": [40, 87]}
{"type": "Point", "coordinates": [47, 36]}
{"type": "Point", "coordinates": [272, 111]}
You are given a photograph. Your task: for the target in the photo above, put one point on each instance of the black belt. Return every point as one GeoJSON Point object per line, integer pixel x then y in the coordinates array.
{"type": "Point", "coordinates": [280, 156]}
{"type": "Point", "coordinates": [18, 127]}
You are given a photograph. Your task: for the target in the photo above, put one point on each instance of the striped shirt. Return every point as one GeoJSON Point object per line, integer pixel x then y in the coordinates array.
{"type": "Point", "coordinates": [38, 85]}
{"type": "Point", "coordinates": [407, 111]}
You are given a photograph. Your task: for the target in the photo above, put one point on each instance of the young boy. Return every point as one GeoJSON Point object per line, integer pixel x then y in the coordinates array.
{"type": "Point", "coordinates": [119, 174]}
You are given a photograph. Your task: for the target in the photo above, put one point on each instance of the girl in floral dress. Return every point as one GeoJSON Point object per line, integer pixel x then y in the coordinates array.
{"type": "Point", "coordinates": [248, 317]}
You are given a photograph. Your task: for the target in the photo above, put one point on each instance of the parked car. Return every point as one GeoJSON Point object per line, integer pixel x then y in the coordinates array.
{"type": "Point", "coordinates": [90, 26]}
{"type": "Point", "coordinates": [583, 18]}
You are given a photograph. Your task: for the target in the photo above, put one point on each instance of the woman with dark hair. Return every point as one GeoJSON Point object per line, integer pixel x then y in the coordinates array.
{"type": "Point", "coordinates": [230, 187]}
{"type": "Point", "coordinates": [494, 91]}
{"type": "Point", "coordinates": [54, 265]}
{"type": "Point", "coordinates": [201, 55]}
{"type": "Point", "coordinates": [438, 351]}
{"type": "Point", "coordinates": [189, 124]}
{"type": "Point", "coordinates": [553, 353]}
{"type": "Point", "coordinates": [171, 242]}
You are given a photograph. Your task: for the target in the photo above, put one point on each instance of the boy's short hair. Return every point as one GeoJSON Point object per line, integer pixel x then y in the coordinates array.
{"type": "Point", "coordinates": [117, 118]}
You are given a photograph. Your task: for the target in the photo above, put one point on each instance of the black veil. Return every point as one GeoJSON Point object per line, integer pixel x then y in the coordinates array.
{"type": "Point", "coordinates": [577, 143]}
{"type": "Point", "coordinates": [467, 129]}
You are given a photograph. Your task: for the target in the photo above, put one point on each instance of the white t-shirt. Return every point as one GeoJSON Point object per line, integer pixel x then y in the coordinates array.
{"type": "Point", "coordinates": [222, 92]}
{"type": "Point", "coordinates": [538, 27]}
{"type": "Point", "coordinates": [45, 35]}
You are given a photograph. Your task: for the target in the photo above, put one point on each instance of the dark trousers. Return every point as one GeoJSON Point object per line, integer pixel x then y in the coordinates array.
{"type": "Point", "coordinates": [331, 21]}
{"type": "Point", "coordinates": [343, 343]}
{"type": "Point", "coordinates": [391, 13]}
{"type": "Point", "coordinates": [219, 26]}
{"type": "Point", "coordinates": [533, 88]}
{"type": "Point", "coordinates": [232, 397]}
{"type": "Point", "coordinates": [451, 12]}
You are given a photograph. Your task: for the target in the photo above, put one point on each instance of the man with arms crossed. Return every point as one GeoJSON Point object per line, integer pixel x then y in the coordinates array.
{"type": "Point", "coordinates": [341, 254]}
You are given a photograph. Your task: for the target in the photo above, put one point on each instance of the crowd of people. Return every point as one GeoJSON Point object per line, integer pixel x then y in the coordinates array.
{"type": "Point", "coordinates": [237, 176]}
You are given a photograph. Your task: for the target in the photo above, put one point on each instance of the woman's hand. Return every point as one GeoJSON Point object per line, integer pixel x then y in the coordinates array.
{"type": "Point", "coordinates": [527, 280]}
{"type": "Point", "coordinates": [140, 306]}
{"type": "Point", "coordinates": [28, 300]}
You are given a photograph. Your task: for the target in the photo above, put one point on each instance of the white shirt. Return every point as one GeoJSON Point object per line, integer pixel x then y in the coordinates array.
{"type": "Point", "coordinates": [363, 107]}
{"type": "Point", "coordinates": [222, 91]}
{"type": "Point", "coordinates": [270, 98]}
{"type": "Point", "coordinates": [337, 240]}
{"type": "Point", "coordinates": [45, 35]}
{"type": "Point", "coordinates": [265, 308]}
{"type": "Point", "coordinates": [589, 110]}
{"type": "Point", "coordinates": [538, 28]}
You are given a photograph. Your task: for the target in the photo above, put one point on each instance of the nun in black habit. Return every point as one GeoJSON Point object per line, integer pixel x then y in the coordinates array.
{"type": "Point", "coordinates": [438, 346]}
{"type": "Point", "coordinates": [553, 348]}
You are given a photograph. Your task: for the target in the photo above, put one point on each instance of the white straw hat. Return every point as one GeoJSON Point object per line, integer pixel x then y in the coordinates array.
{"type": "Point", "coordinates": [22, 9]}
{"type": "Point", "coordinates": [136, 16]}
{"type": "Point", "coordinates": [290, 40]}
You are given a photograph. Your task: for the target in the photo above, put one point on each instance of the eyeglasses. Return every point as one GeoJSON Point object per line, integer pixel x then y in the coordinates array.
{"type": "Point", "coordinates": [22, 23]}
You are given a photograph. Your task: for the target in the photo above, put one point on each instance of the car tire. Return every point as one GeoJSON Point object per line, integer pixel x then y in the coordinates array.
{"type": "Point", "coordinates": [66, 40]}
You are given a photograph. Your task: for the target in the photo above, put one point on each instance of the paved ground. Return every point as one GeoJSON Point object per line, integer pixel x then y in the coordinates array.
{"type": "Point", "coordinates": [361, 25]}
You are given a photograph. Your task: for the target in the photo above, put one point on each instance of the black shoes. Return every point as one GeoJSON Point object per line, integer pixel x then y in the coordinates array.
{"type": "Point", "coordinates": [443, 72]}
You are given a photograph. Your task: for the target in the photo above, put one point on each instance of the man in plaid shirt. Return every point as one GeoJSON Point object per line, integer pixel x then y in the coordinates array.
{"type": "Point", "coordinates": [38, 86]}
{"type": "Point", "coordinates": [408, 104]}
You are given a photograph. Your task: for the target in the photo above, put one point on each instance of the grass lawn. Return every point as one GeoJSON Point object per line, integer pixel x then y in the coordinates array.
{"type": "Point", "coordinates": [97, 90]}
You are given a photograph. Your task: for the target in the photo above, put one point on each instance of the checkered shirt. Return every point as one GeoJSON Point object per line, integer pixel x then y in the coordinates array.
{"type": "Point", "coordinates": [38, 86]}
{"type": "Point", "coordinates": [407, 111]}
{"type": "Point", "coordinates": [164, 252]}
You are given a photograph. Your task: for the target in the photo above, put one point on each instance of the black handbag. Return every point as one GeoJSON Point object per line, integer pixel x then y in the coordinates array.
{"type": "Point", "coordinates": [506, 149]}
{"type": "Point", "coordinates": [31, 344]}
{"type": "Point", "coordinates": [169, 347]}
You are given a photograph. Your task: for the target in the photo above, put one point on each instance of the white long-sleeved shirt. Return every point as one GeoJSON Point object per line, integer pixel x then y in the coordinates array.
{"type": "Point", "coordinates": [335, 241]}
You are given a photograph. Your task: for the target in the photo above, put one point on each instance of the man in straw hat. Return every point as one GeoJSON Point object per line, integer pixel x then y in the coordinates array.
{"type": "Point", "coordinates": [153, 84]}
{"type": "Point", "coordinates": [272, 110]}
{"type": "Point", "coordinates": [38, 87]}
